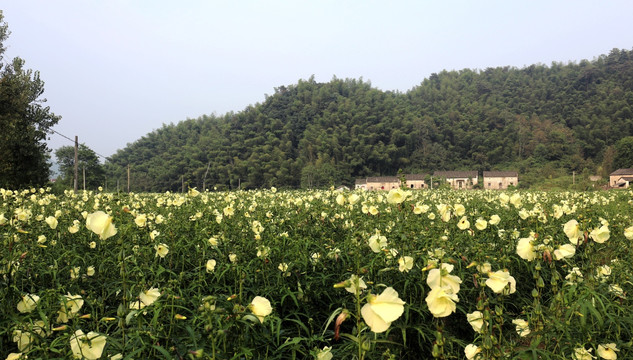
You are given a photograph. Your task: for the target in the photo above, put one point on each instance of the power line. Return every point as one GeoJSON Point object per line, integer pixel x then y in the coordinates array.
{"type": "Point", "coordinates": [73, 141]}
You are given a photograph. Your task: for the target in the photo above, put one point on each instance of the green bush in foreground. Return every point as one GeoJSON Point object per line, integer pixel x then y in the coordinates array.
{"type": "Point", "coordinates": [316, 274]}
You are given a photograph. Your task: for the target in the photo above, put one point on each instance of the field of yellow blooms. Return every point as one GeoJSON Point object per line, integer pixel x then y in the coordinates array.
{"type": "Point", "coordinates": [317, 274]}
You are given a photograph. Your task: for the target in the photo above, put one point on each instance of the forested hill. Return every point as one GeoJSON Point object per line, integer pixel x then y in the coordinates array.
{"type": "Point", "coordinates": [566, 116]}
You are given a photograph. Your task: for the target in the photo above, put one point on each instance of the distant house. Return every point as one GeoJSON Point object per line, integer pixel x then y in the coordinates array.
{"type": "Point", "coordinates": [383, 183]}
{"type": "Point", "coordinates": [412, 181]}
{"type": "Point", "coordinates": [360, 184]}
{"type": "Point", "coordinates": [621, 178]}
{"type": "Point", "coordinates": [500, 179]}
{"type": "Point", "coordinates": [415, 181]}
{"type": "Point", "coordinates": [459, 179]}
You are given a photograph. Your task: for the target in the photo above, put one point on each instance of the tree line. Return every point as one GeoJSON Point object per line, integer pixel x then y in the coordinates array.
{"type": "Point", "coordinates": [563, 117]}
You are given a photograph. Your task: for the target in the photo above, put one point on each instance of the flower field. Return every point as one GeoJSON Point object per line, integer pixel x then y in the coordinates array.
{"type": "Point", "coordinates": [316, 274]}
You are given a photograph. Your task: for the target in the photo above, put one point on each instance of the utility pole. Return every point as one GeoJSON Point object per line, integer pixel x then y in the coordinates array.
{"type": "Point", "coordinates": [84, 168]}
{"type": "Point", "coordinates": [204, 179]}
{"type": "Point", "coordinates": [128, 178]}
{"type": "Point", "coordinates": [76, 162]}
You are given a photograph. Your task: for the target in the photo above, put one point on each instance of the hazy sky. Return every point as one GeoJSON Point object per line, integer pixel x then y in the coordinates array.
{"type": "Point", "coordinates": [117, 69]}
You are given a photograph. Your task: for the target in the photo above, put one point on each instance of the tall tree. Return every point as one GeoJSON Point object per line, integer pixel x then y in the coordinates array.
{"type": "Point", "coordinates": [624, 153]}
{"type": "Point", "coordinates": [24, 122]}
{"type": "Point", "coordinates": [88, 164]}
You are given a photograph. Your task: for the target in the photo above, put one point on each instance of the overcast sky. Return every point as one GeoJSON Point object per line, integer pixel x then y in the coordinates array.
{"type": "Point", "coordinates": [117, 69]}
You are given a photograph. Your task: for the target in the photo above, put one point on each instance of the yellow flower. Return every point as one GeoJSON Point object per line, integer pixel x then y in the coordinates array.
{"type": "Point", "coordinates": [572, 230]}
{"type": "Point", "coordinates": [564, 251]}
{"type": "Point", "coordinates": [28, 303]}
{"type": "Point", "coordinates": [498, 281]}
{"type": "Point", "coordinates": [396, 196]}
{"type": "Point", "coordinates": [504, 199]}
{"type": "Point", "coordinates": [405, 263]}
{"type": "Point", "coordinates": [463, 223]}
{"type": "Point", "coordinates": [515, 200]}
{"type": "Point", "coordinates": [377, 242]}
{"type": "Point", "coordinates": [140, 220]}
{"type": "Point", "coordinates": [16, 356]}
{"type": "Point", "coordinates": [441, 278]}
{"type": "Point", "coordinates": [494, 220]}
{"type": "Point", "coordinates": [325, 354]}
{"type": "Point", "coordinates": [525, 249]}
{"type": "Point", "coordinates": [628, 233]}
{"type": "Point", "coordinates": [380, 311]}
{"type": "Point", "coordinates": [71, 304]}
{"type": "Point", "coordinates": [471, 351]}
{"type": "Point", "coordinates": [23, 339]}
{"type": "Point", "coordinates": [481, 224]}
{"type": "Point", "coordinates": [607, 351]}
{"type": "Point", "coordinates": [87, 346]}
{"type": "Point", "coordinates": [51, 221]}
{"type": "Point", "coordinates": [459, 209]}
{"type": "Point", "coordinates": [582, 354]}
{"type": "Point", "coordinates": [148, 297]}
{"type": "Point", "coordinates": [90, 270]}
{"type": "Point", "coordinates": [601, 234]}
{"type": "Point", "coordinates": [441, 302]}
{"type": "Point", "coordinates": [340, 199]}
{"type": "Point", "coordinates": [522, 327]}
{"type": "Point", "coordinates": [233, 258]}
{"type": "Point", "coordinates": [211, 265]}
{"type": "Point", "coordinates": [355, 284]}
{"type": "Point", "coordinates": [161, 250]}
{"type": "Point", "coordinates": [260, 307]}
{"type": "Point", "coordinates": [101, 224]}
{"type": "Point", "coordinates": [74, 272]}
{"type": "Point", "coordinates": [476, 320]}
{"type": "Point", "coordinates": [353, 199]}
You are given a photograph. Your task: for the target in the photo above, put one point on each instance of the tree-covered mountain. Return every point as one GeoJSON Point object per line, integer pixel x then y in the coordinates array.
{"type": "Point", "coordinates": [563, 116]}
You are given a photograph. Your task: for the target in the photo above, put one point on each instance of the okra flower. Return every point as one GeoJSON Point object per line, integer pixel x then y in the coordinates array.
{"type": "Point", "coordinates": [476, 320]}
{"type": "Point", "coordinates": [471, 351]}
{"type": "Point", "coordinates": [101, 224]}
{"type": "Point", "coordinates": [525, 249]}
{"type": "Point", "coordinates": [380, 311]}
{"type": "Point", "coordinates": [260, 307]}
{"type": "Point", "coordinates": [481, 224]}
{"type": "Point", "coordinates": [522, 327]}
{"type": "Point", "coordinates": [564, 251]}
{"type": "Point", "coordinates": [396, 196]}
{"type": "Point", "coordinates": [582, 354]}
{"type": "Point", "coordinates": [607, 351]}
{"type": "Point", "coordinates": [441, 278]}
{"type": "Point", "coordinates": [51, 221]}
{"type": "Point", "coordinates": [356, 284]}
{"type": "Point", "coordinates": [161, 250]}
{"type": "Point", "coordinates": [28, 303]}
{"type": "Point", "coordinates": [405, 263]}
{"type": "Point", "coordinates": [498, 281]}
{"type": "Point", "coordinates": [601, 234]}
{"type": "Point", "coordinates": [463, 223]}
{"type": "Point", "coordinates": [441, 302]}
{"type": "Point", "coordinates": [572, 230]}
{"type": "Point", "coordinates": [87, 346]}
{"type": "Point", "coordinates": [148, 297]}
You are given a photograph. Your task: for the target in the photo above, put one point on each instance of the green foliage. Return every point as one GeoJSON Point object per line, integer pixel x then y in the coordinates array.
{"type": "Point", "coordinates": [24, 122]}
{"type": "Point", "coordinates": [88, 163]}
{"type": "Point", "coordinates": [565, 116]}
{"type": "Point", "coordinates": [624, 153]}
{"type": "Point", "coordinates": [581, 299]}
